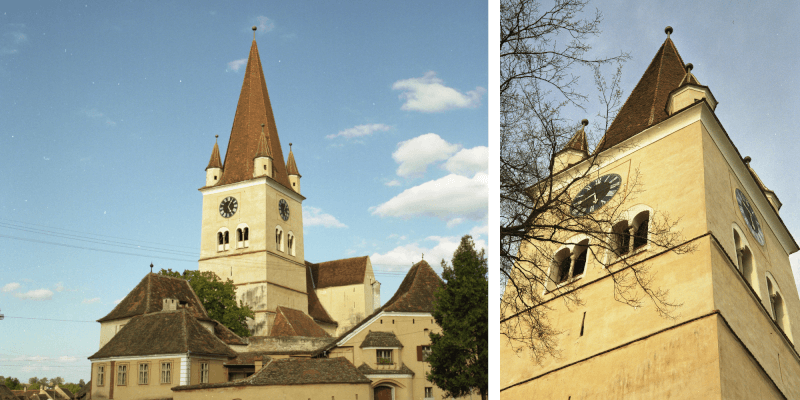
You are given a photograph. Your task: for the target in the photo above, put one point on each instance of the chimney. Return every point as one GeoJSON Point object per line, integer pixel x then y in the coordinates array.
{"type": "Point", "coordinates": [259, 363]}
{"type": "Point", "coordinates": [169, 305]}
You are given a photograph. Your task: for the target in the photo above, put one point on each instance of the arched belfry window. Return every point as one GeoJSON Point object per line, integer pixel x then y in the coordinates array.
{"type": "Point", "coordinates": [278, 238]}
{"type": "Point", "coordinates": [223, 239]}
{"type": "Point", "coordinates": [745, 261]}
{"type": "Point", "coordinates": [290, 243]}
{"type": "Point", "coordinates": [242, 236]}
{"type": "Point", "coordinates": [622, 238]}
{"type": "Point", "coordinates": [777, 306]}
{"type": "Point", "coordinates": [569, 263]}
{"type": "Point", "coordinates": [631, 234]}
{"type": "Point", "coordinates": [640, 229]}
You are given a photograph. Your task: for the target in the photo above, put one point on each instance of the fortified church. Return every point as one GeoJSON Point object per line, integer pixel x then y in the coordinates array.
{"type": "Point", "coordinates": [734, 331]}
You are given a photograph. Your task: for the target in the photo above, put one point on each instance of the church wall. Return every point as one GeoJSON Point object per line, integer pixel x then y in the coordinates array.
{"type": "Point", "coordinates": [325, 391]}
{"type": "Point", "coordinates": [680, 363]}
{"type": "Point", "coordinates": [345, 304]}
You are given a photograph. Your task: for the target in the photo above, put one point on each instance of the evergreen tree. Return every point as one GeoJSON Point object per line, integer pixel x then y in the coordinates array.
{"type": "Point", "coordinates": [459, 358]}
{"type": "Point", "coordinates": [218, 298]}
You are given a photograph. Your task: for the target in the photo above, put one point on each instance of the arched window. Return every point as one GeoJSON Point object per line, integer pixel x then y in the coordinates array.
{"type": "Point", "coordinates": [223, 239]}
{"type": "Point", "coordinates": [745, 261]}
{"type": "Point", "coordinates": [778, 306]}
{"type": "Point", "coordinates": [569, 263]}
{"type": "Point", "coordinates": [242, 236]}
{"type": "Point", "coordinates": [622, 238]}
{"type": "Point", "coordinates": [290, 242]}
{"type": "Point", "coordinates": [639, 232]}
{"type": "Point", "coordinates": [278, 238]}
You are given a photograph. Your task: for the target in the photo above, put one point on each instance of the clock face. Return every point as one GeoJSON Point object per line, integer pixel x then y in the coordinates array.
{"type": "Point", "coordinates": [283, 208]}
{"type": "Point", "coordinates": [750, 217]}
{"type": "Point", "coordinates": [596, 194]}
{"type": "Point", "coordinates": [228, 206]}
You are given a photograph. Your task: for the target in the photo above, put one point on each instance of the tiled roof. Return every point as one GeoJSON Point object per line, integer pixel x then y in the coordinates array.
{"type": "Point", "coordinates": [296, 371]}
{"type": "Point", "coordinates": [315, 308]}
{"type": "Point", "coordinates": [249, 358]}
{"type": "Point", "coordinates": [578, 141]}
{"type": "Point", "coordinates": [166, 332]}
{"type": "Point", "coordinates": [381, 339]}
{"type": "Point", "coordinates": [348, 271]}
{"type": "Point", "coordinates": [253, 109]}
{"type": "Point", "coordinates": [66, 391]}
{"type": "Point", "coordinates": [148, 296]}
{"type": "Point", "coordinates": [84, 392]}
{"type": "Point", "coordinates": [689, 78]}
{"type": "Point", "coordinates": [291, 322]}
{"type": "Point", "coordinates": [214, 162]}
{"type": "Point", "coordinates": [403, 370]}
{"type": "Point", "coordinates": [226, 335]}
{"type": "Point", "coordinates": [291, 166]}
{"type": "Point", "coordinates": [646, 105]}
{"type": "Point", "coordinates": [263, 145]}
{"type": "Point", "coordinates": [6, 393]}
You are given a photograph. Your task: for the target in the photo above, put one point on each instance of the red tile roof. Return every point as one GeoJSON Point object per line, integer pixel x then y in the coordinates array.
{"type": "Point", "coordinates": [578, 141]}
{"type": "Point", "coordinates": [148, 296]}
{"type": "Point", "coordinates": [348, 271]}
{"type": "Point", "coordinates": [291, 166]}
{"type": "Point", "coordinates": [214, 162]}
{"type": "Point", "coordinates": [646, 105]}
{"type": "Point", "coordinates": [315, 308]}
{"type": "Point", "coordinates": [253, 109]}
{"type": "Point", "coordinates": [417, 291]}
{"type": "Point", "coordinates": [291, 322]}
{"type": "Point", "coordinates": [263, 145]}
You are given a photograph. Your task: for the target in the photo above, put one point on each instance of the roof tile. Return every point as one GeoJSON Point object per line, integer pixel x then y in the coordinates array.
{"type": "Point", "coordinates": [291, 322]}
{"type": "Point", "coordinates": [149, 294]}
{"type": "Point", "coordinates": [381, 339]}
{"type": "Point", "coordinates": [348, 271]}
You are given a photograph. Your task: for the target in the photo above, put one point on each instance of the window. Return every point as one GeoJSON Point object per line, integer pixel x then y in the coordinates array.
{"type": "Point", "coordinates": [122, 374]}
{"type": "Point", "coordinates": [223, 239]}
{"type": "Point", "coordinates": [278, 239]}
{"type": "Point", "coordinates": [290, 243]}
{"type": "Point", "coordinates": [622, 238]}
{"type": "Point", "coordinates": [384, 356]}
{"type": "Point", "coordinates": [101, 372]}
{"type": "Point", "coordinates": [426, 351]}
{"type": "Point", "coordinates": [242, 236]}
{"type": "Point", "coordinates": [204, 372]}
{"type": "Point", "coordinates": [569, 265]}
{"type": "Point", "coordinates": [144, 374]}
{"type": "Point", "coordinates": [640, 232]}
{"type": "Point", "coordinates": [744, 261]}
{"type": "Point", "coordinates": [778, 306]}
{"type": "Point", "coordinates": [428, 392]}
{"type": "Point", "coordinates": [166, 372]}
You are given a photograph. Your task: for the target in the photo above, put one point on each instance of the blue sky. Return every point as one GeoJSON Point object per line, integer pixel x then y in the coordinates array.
{"type": "Point", "coordinates": [108, 112]}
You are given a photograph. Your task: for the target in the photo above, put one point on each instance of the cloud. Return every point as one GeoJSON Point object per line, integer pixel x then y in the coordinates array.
{"type": "Point", "coordinates": [38, 294]}
{"type": "Point", "coordinates": [97, 114]}
{"type": "Point", "coordinates": [468, 162]}
{"type": "Point", "coordinates": [478, 231]}
{"type": "Point", "coordinates": [428, 94]}
{"type": "Point", "coordinates": [12, 40]}
{"type": "Point", "coordinates": [313, 216]}
{"type": "Point", "coordinates": [236, 64]}
{"type": "Point", "coordinates": [360, 130]}
{"type": "Point", "coordinates": [10, 287]}
{"type": "Point", "coordinates": [59, 287]}
{"type": "Point", "coordinates": [91, 301]}
{"type": "Point", "coordinates": [414, 155]}
{"type": "Point", "coordinates": [265, 24]}
{"type": "Point", "coordinates": [117, 301]}
{"type": "Point", "coordinates": [402, 257]}
{"type": "Point", "coordinates": [67, 359]}
{"type": "Point", "coordinates": [393, 182]}
{"type": "Point", "coordinates": [446, 198]}
{"type": "Point", "coordinates": [455, 221]}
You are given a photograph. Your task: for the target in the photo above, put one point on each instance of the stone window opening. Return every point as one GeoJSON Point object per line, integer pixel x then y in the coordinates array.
{"type": "Point", "coordinates": [290, 241]}
{"type": "Point", "coordinates": [204, 372]}
{"type": "Point", "coordinates": [777, 307]}
{"type": "Point", "coordinates": [101, 371]}
{"type": "Point", "coordinates": [744, 261]}
{"type": "Point", "coordinates": [428, 392]}
{"type": "Point", "coordinates": [242, 237]}
{"type": "Point", "coordinates": [384, 356]}
{"type": "Point", "coordinates": [640, 231]}
{"type": "Point", "coordinates": [279, 239]}
{"type": "Point", "coordinates": [568, 264]}
{"type": "Point", "coordinates": [622, 238]}
{"type": "Point", "coordinates": [223, 239]}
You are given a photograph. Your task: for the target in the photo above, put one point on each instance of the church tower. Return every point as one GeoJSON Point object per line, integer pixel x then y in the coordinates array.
{"type": "Point", "coordinates": [733, 330]}
{"type": "Point", "coordinates": [252, 231]}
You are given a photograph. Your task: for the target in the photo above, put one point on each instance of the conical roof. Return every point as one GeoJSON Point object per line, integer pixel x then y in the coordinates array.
{"type": "Point", "coordinates": [646, 105]}
{"type": "Point", "coordinates": [689, 78]}
{"type": "Point", "coordinates": [291, 167]}
{"type": "Point", "coordinates": [215, 161]}
{"type": "Point", "coordinates": [253, 109]}
{"type": "Point", "coordinates": [263, 146]}
{"type": "Point", "coordinates": [578, 141]}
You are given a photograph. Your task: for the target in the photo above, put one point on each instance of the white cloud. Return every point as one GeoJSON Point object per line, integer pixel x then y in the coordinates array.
{"type": "Point", "coordinates": [360, 130]}
{"type": "Point", "coordinates": [313, 216]}
{"type": "Point", "coordinates": [59, 287]}
{"type": "Point", "coordinates": [91, 301]}
{"type": "Point", "coordinates": [38, 294]}
{"type": "Point", "coordinates": [402, 257]}
{"type": "Point", "coordinates": [455, 221]}
{"type": "Point", "coordinates": [265, 24]}
{"type": "Point", "coordinates": [236, 64]}
{"type": "Point", "coordinates": [478, 231]}
{"type": "Point", "coordinates": [446, 198]}
{"type": "Point", "coordinates": [117, 301]}
{"type": "Point", "coordinates": [428, 94]}
{"type": "Point", "coordinates": [10, 287]}
{"type": "Point", "coordinates": [468, 162]}
{"type": "Point", "coordinates": [97, 114]}
{"type": "Point", "coordinates": [67, 359]}
{"type": "Point", "coordinates": [393, 182]}
{"type": "Point", "coordinates": [414, 155]}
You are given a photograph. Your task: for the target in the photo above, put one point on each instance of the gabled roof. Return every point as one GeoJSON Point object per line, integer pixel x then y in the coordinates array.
{"type": "Point", "coordinates": [215, 161]}
{"type": "Point", "coordinates": [381, 339]}
{"type": "Point", "coordinates": [291, 322]}
{"type": "Point", "coordinates": [348, 271]}
{"type": "Point", "coordinates": [315, 308]}
{"type": "Point", "coordinates": [367, 370]}
{"type": "Point", "coordinates": [6, 393]}
{"type": "Point", "coordinates": [149, 294]}
{"type": "Point", "coordinates": [249, 358]}
{"type": "Point", "coordinates": [166, 332]}
{"type": "Point", "coordinates": [253, 109]}
{"type": "Point", "coordinates": [84, 392]}
{"type": "Point", "coordinates": [646, 105]}
{"type": "Point", "coordinates": [291, 166]}
{"type": "Point", "coordinates": [296, 371]}
{"type": "Point", "coordinates": [227, 335]}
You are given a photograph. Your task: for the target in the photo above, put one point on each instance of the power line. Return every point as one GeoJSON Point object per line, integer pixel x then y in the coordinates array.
{"type": "Point", "coordinates": [50, 319]}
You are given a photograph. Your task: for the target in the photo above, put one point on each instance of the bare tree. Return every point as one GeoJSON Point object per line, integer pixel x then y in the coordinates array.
{"type": "Point", "coordinates": [542, 53]}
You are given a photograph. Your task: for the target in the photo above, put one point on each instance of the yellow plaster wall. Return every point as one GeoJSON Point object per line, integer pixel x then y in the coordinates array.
{"type": "Point", "coordinates": [340, 391]}
{"type": "Point", "coordinates": [741, 378]}
{"type": "Point", "coordinates": [132, 390]}
{"type": "Point", "coordinates": [110, 328]}
{"type": "Point", "coordinates": [216, 372]}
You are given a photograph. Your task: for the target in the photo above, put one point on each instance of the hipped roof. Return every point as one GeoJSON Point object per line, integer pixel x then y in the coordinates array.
{"type": "Point", "coordinates": [291, 322]}
{"type": "Point", "coordinates": [166, 332]}
{"type": "Point", "coordinates": [149, 294]}
{"type": "Point", "coordinates": [254, 108]}
{"type": "Point", "coordinates": [315, 308]}
{"type": "Point", "coordinates": [348, 271]}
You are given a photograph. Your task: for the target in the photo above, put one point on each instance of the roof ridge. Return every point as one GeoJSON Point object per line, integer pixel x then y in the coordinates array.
{"type": "Point", "coordinates": [286, 318]}
{"type": "Point", "coordinates": [662, 50]}
{"type": "Point", "coordinates": [185, 330]}
{"type": "Point", "coordinates": [147, 295]}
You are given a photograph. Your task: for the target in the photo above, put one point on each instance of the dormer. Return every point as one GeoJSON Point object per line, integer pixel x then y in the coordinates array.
{"type": "Point", "coordinates": [262, 162]}
{"type": "Point", "coordinates": [689, 91]}
{"type": "Point", "coordinates": [574, 151]}
{"type": "Point", "coordinates": [214, 168]}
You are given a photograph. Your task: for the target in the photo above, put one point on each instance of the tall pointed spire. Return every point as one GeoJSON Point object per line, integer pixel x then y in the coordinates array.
{"type": "Point", "coordinates": [578, 141]}
{"type": "Point", "coordinates": [254, 108]}
{"type": "Point", "coordinates": [291, 166]}
{"type": "Point", "coordinates": [263, 145]}
{"type": "Point", "coordinates": [215, 161]}
{"type": "Point", "coordinates": [646, 104]}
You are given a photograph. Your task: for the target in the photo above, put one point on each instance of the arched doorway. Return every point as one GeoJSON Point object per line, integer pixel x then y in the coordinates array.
{"type": "Point", "coordinates": [383, 393]}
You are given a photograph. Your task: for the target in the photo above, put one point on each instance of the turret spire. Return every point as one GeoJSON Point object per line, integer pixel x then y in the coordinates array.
{"type": "Point", "coordinates": [215, 161]}
{"type": "Point", "coordinates": [291, 169]}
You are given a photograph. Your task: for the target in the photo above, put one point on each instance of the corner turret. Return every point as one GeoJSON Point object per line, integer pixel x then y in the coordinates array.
{"type": "Point", "coordinates": [573, 152]}
{"type": "Point", "coordinates": [214, 168]}
{"type": "Point", "coordinates": [262, 162]}
{"type": "Point", "coordinates": [291, 169]}
{"type": "Point", "coordinates": [689, 91]}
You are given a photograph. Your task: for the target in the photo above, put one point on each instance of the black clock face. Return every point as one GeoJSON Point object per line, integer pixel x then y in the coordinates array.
{"type": "Point", "coordinates": [283, 208]}
{"type": "Point", "coordinates": [228, 207]}
{"type": "Point", "coordinates": [596, 194]}
{"type": "Point", "coordinates": [750, 217]}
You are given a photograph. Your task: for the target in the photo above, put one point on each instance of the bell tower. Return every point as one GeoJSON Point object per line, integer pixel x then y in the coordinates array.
{"type": "Point", "coordinates": [252, 222]}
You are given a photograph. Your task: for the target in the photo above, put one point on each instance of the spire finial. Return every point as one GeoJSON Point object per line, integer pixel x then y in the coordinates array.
{"type": "Point", "coordinates": [151, 268]}
{"type": "Point", "coordinates": [254, 32]}
{"type": "Point", "coordinates": [689, 67]}
{"type": "Point", "coordinates": [747, 160]}
{"type": "Point", "coordinates": [262, 128]}
{"type": "Point", "coordinates": [290, 147]}
{"type": "Point", "coordinates": [585, 122]}
{"type": "Point", "coordinates": [215, 138]}
{"type": "Point", "coordinates": [668, 31]}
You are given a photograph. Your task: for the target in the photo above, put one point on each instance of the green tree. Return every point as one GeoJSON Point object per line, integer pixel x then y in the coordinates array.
{"type": "Point", "coordinates": [33, 380]}
{"type": "Point", "coordinates": [71, 387]}
{"type": "Point", "coordinates": [81, 383]}
{"type": "Point", "coordinates": [55, 381]}
{"type": "Point", "coordinates": [43, 382]}
{"type": "Point", "coordinates": [218, 298]}
{"type": "Point", "coordinates": [12, 383]}
{"type": "Point", "coordinates": [459, 357]}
